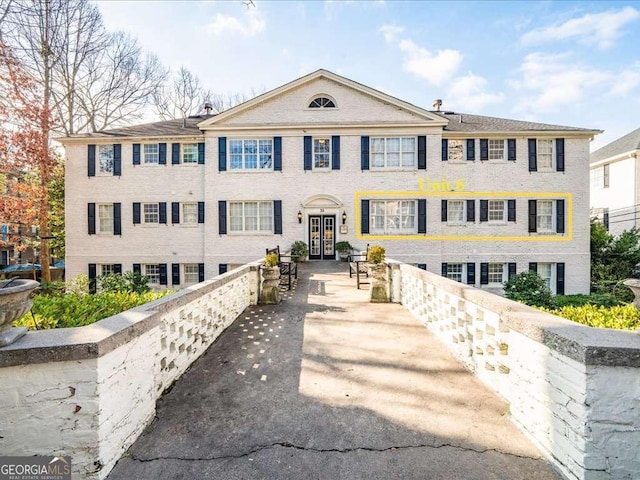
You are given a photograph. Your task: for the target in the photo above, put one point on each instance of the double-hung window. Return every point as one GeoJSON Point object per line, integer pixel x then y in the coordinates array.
{"type": "Point", "coordinates": [544, 216]}
{"type": "Point", "coordinates": [455, 211]}
{"type": "Point", "coordinates": [251, 154]}
{"type": "Point", "coordinates": [189, 152]}
{"type": "Point", "coordinates": [105, 218]}
{"type": "Point", "coordinates": [455, 150]}
{"type": "Point", "coordinates": [152, 272]}
{"type": "Point", "coordinates": [106, 159]}
{"type": "Point", "coordinates": [392, 217]}
{"type": "Point", "coordinates": [545, 154]}
{"type": "Point", "coordinates": [393, 152]}
{"type": "Point", "coordinates": [190, 272]}
{"type": "Point", "coordinates": [151, 213]}
{"type": "Point", "coordinates": [545, 271]}
{"type": "Point", "coordinates": [496, 211]}
{"type": "Point", "coordinates": [455, 271]}
{"type": "Point", "coordinates": [496, 273]}
{"type": "Point", "coordinates": [189, 213]}
{"type": "Point", "coordinates": [251, 216]}
{"type": "Point", "coordinates": [496, 150]}
{"type": "Point", "coordinates": [106, 269]}
{"type": "Point", "coordinates": [321, 153]}
{"type": "Point", "coordinates": [151, 154]}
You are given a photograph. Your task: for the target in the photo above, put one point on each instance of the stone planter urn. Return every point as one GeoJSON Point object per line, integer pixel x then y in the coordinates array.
{"type": "Point", "coordinates": [379, 291]}
{"type": "Point", "coordinates": [634, 286]}
{"type": "Point", "coordinates": [15, 301]}
{"type": "Point", "coordinates": [270, 291]}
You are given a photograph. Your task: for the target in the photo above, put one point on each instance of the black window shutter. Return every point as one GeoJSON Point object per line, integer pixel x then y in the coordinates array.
{"type": "Point", "coordinates": [484, 149]}
{"type": "Point", "coordinates": [136, 154]}
{"type": "Point", "coordinates": [443, 270]}
{"type": "Point", "coordinates": [511, 210]}
{"type": "Point", "coordinates": [162, 212]}
{"type": "Point", "coordinates": [137, 268]}
{"type": "Point", "coordinates": [422, 215]}
{"type": "Point", "coordinates": [222, 154]}
{"type": "Point", "coordinates": [471, 273]}
{"type": "Point", "coordinates": [200, 212]}
{"type": "Point", "coordinates": [533, 214]}
{"type": "Point", "coordinates": [512, 270]}
{"type": "Point", "coordinates": [277, 154]}
{"type": "Point", "coordinates": [175, 212]}
{"type": "Point", "coordinates": [471, 149]}
{"type": "Point", "coordinates": [92, 277]}
{"type": "Point", "coordinates": [560, 216]}
{"type": "Point", "coordinates": [136, 212]}
{"type": "Point", "coordinates": [422, 266]}
{"type": "Point", "coordinates": [559, 278]}
{"type": "Point", "coordinates": [445, 149]}
{"type": "Point", "coordinates": [484, 273]}
{"type": "Point", "coordinates": [175, 274]}
{"type": "Point", "coordinates": [201, 153]}
{"type": "Point", "coordinates": [162, 267]}
{"type": "Point", "coordinates": [117, 160]}
{"type": "Point", "coordinates": [277, 217]}
{"type": "Point", "coordinates": [422, 152]}
{"type": "Point", "coordinates": [484, 210]}
{"type": "Point", "coordinates": [364, 153]}
{"type": "Point", "coordinates": [117, 268]}
{"type": "Point", "coordinates": [443, 211]}
{"type": "Point", "coordinates": [471, 210]}
{"type": "Point", "coordinates": [335, 152]}
{"type": "Point", "coordinates": [533, 155]}
{"type": "Point", "coordinates": [91, 160]}
{"type": "Point", "coordinates": [511, 149]}
{"type": "Point", "coordinates": [175, 157]}
{"type": "Point", "coordinates": [533, 267]}
{"type": "Point", "coordinates": [560, 154]}
{"type": "Point", "coordinates": [364, 216]}
{"type": "Point", "coordinates": [91, 216]}
{"type": "Point", "coordinates": [222, 217]}
{"type": "Point", "coordinates": [117, 219]}
{"type": "Point", "coordinates": [605, 218]}
{"type": "Point", "coordinates": [201, 272]}
{"type": "Point", "coordinates": [307, 152]}
{"type": "Point", "coordinates": [162, 154]}
{"type": "Point", "coordinates": [222, 268]}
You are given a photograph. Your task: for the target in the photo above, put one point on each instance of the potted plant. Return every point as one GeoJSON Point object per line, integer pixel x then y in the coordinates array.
{"type": "Point", "coordinates": [270, 291]}
{"type": "Point", "coordinates": [299, 251]}
{"type": "Point", "coordinates": [15, 300]}
{"type": "Point", "coordinates": [344, 249]}
{"type": "Point", "coordinates": [379, 291]}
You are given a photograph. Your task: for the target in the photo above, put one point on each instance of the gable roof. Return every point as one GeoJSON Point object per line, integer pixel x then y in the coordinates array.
{"type": "Point", "coordinates": [321, 73]}
{"type": "Point", "coordinates": [465, 122]}
{"type": "Point", "coordinates": [627, 143]}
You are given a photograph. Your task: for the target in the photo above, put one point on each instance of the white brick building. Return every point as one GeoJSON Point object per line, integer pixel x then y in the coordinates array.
{"type": "Point", "coordinates": [615, 183]}
{"type": "Point", "coordinates": [476, 198]}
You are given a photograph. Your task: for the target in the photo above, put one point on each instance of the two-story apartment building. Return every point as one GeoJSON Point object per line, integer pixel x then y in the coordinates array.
{"type": "Point", "coordinates": [615, 183]}
{"type": "Point", "coordinates": [324, 159]}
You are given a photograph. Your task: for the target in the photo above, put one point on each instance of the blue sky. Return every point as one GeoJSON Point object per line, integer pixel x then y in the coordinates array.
{"type": "Point", "coordinates": [568, 63]}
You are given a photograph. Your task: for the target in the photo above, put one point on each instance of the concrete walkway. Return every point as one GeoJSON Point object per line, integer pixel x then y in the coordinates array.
{"type": "Point", "coordinates": [328, 386]}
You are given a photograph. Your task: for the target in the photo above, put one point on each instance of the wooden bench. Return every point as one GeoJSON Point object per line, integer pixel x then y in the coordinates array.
{"type": "Point", "coordinates": [358, 267]}
{"type": "Point", "coordinates": [288, 268]}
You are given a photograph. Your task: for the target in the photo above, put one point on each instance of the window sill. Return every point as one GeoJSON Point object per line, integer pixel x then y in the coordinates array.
{"type": "Point", "coordinates": [188, 225]}
{"type": "Point", "coordinates": [497, 224]}
{"type": "Point", "coordinates": [105, 175]}
{"type": "Point", "coordinates": [253, 170]}
{"type": "Point", "coordinates": [392, 233]}
{"type": "Point", "coordinates": [458, 224]}
{"type": "Point", "coordinates": [543, 234]}
{"type": "Point", "coordinates": [150, 225]}
{"type": "Point", "coordinates": [244, 234]}
{"type": "Point", "coordinates": [322, 170]}
{"type": "Point", "coordinates": [393, 169]}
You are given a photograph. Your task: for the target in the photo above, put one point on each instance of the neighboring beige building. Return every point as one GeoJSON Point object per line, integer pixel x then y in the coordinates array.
{"type": "Point", "coordinates": [615, 183]}
{"type": "Point", "coordinates": [324, 159]}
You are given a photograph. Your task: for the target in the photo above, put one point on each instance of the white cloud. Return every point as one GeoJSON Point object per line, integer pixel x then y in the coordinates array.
{"type": "Point", "coordinates": [435, 68]}
{"type": "Point", "coordinates": [600, 29]}
{"type": "Point", "coordinates": [248, 26]}
{"type": "Point", "coordinates": [468, 93]}
{"type": "Point", "coordinates": [626, 81]}
{"type": "Point", "coordinates": [390, 32]}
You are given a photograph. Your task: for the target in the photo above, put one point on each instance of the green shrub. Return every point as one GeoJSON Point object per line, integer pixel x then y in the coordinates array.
{"type": "Point", "coordinates": [621, 317]}
{"type": "Point", "coordinates": [299, 249]}
{"type": "Point", "coordinates": [344, 247]}
{"type": "Point", "coordinates": [376, 254]}
{"type": "Point", "coordinates": [528, 288]}
{"type": "Point", "coordinates": [131, 282]}
{"type": "Point", "coordinates": [271, 260]}
{"type": "Point", "coordinates": [605, 300]}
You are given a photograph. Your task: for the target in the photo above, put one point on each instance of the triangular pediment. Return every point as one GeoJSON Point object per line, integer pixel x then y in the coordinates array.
{"type": "Point", "coordinates": [354, 104]}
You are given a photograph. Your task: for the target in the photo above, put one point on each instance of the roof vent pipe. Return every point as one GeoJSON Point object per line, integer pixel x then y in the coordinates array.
{"type": "Point", "coordinates": [437, 104]}
{"type": "Point", "coordinates": [184, 123]}
{"type": "Point", "coordinates": [208, 107]}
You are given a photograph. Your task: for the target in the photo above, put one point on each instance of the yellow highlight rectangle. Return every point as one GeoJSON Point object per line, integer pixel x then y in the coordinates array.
{"type": "Point", "coordinates": [392, 195]}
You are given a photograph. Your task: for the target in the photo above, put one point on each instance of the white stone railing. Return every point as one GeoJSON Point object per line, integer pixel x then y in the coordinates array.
{"type": "Point", "coordinates": [574, 390]}
{"type": "Point", "coordinates": [89, 392]}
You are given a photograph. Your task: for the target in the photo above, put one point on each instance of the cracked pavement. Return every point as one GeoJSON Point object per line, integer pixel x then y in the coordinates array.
{"type": "Point", "coordinates": [328, 386]}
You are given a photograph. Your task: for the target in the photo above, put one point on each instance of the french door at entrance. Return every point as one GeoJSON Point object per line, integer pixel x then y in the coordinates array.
{"type": "Point", "coordinates": [322, 237]}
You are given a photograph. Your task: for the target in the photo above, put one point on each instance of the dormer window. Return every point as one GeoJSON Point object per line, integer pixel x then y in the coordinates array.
{"type": "Point", "coordinates": [322, 102]}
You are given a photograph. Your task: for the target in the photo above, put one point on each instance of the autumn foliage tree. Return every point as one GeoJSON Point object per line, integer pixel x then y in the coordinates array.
{"type": "Point", "coordinates": [27, 160]}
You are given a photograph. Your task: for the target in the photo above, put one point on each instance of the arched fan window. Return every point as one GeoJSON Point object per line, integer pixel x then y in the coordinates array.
{"type": "Point", "coordinates": [322, 102]}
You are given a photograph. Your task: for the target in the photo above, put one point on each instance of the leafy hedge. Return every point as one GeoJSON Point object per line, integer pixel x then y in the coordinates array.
{"type": "Point", "coordinates": [621, 317]}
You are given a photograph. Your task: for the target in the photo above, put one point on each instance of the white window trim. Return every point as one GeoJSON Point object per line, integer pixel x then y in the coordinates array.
{"type": "Point", "coordinates": [182, 162]}
{"type": "Point", "coordinates": [100, 173]}
{"type": "Point", "coordinates": [143, 154]}
{"type": "Point", "coordinates": [144, 272]}
{"type": "Point", "coordinates": [505, 212]}
{"type": "Point", "coordinates": [250, 232]}
{"type": "Point", "coordinates": [258, 169]}
{"type": "Point", "coordinates": [99, 224]}
{"type": "Point", "coordinates": [101, 269]}
{"type": "Point", "coordinates": [505, 148]}
{"type": "Point", "coordinates": [183, 216]}
{"type": "Point", "coordinates": [393, 168]}
{"type": "Point", "coordinates": [321, 95]}
{"type": "Point", "coordinates": [541, 168]}
{"type": "Point", "coordinates": [505, 273]}
{"type": "Point", "coordinates": [184, 274]}
{"type": "Point", "coordinates": [552, 279]}
{"type": "Point", "coordinates": [464, 150]}
{"type": "Point", "coordinates": [463, 271]}
{"type": "Point", "coordinates": [313, 154]}
{"type": "Point", "coordinates": [553, 217]}
{"type": "Point", "coordinates": [376, 231]}
{"type": "Point", "coordinates": [464, 212]}
{"type": "Point", "coordinates": [143, 218]}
